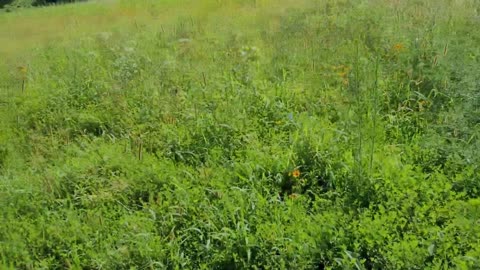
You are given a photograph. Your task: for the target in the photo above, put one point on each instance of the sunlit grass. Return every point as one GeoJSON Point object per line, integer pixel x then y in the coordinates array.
{"type": "Point", "coordinates": [30, 28]}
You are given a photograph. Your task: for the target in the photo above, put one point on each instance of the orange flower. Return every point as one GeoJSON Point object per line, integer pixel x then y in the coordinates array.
{"type": "Point", "coordinates": [296, 173]}
{"type": "Point", "coordinates": [398, 47]}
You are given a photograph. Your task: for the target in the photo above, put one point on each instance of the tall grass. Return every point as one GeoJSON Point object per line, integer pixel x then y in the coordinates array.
{"type": "Point", "coordinates": [240, 134]}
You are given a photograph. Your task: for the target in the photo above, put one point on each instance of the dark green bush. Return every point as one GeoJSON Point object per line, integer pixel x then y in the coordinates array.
{"type": "Point", "coordinates": [28, 3]}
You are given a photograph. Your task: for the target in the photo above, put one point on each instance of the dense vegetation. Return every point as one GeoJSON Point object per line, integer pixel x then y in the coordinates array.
{"type": "Point", "coordinates": [242, 135]}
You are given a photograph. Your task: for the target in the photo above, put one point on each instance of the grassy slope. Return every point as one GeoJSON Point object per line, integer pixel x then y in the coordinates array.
{"type": "Point", "coordinates": [166, 134]}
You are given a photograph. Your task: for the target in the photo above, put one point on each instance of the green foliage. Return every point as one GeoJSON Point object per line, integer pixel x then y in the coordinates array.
{"type": "Point", "coordinates": [337, 135]}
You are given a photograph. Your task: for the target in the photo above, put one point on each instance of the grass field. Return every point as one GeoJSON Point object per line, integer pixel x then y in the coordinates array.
{"type": "Point", "coordinates": [228, 134]}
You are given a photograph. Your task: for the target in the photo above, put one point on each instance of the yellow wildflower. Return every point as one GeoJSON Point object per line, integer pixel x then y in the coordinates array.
{"type": "Point", "coordinates": [422, 104]}
{"type": "Point", "coordinates": [22, 69]}
{"type": "Point", "coordinates": [293, 196]}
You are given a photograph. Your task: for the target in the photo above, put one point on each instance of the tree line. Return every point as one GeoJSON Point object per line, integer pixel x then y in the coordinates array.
{"type": "Point", "coordinates": [27, 3]}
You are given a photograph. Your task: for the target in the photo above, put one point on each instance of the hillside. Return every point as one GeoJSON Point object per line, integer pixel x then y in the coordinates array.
{"type": "Point", "coordinates": [228, 134]}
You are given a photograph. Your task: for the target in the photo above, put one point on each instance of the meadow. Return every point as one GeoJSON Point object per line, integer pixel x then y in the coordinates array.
{"type": "Point", "coordinates": [229, 134]}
